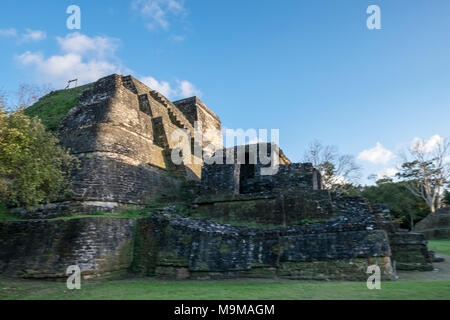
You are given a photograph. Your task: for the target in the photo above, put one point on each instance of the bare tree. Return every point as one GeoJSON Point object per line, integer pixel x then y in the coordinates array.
{"type": "Point", "coordinates": [3, 98]}
{"type": "Point", "coordinates": [28, 94]}
{"type": "Point", "coordinates": [338, 171]}
{"type": "Point", "coordinates": [426, 169]}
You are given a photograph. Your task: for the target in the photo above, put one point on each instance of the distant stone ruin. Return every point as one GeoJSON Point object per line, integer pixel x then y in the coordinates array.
{"type": "Point", "coordinates": [436, 225]}
{"type": "Point", "coordinates": [238, 222]}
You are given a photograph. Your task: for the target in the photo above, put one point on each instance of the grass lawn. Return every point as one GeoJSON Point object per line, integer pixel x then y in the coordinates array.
{"type": "Point", "coordinates": [440, 246]}
{"type": "Point", "coordinates": [204, 290]}
{"type": "Point", "coordinates": [147, 288]}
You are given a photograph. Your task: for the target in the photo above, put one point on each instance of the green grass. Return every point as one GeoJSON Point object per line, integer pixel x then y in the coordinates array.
{"type": "Point", "coordinates": [130, 213]}
{"type": "Point", "coordinates": [221, 290]}
{"type": "Point", "coordinates": [55, 106]}
{"type": "Point", "coordinates": [146, 288]}
{"type": "Point", "coordinates": [5, 215]}
{"type": "Point", "coordinates": [440, 246]}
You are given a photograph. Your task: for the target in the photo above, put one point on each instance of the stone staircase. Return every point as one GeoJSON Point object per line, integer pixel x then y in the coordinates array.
{"type": "Point", "coordinates": [129, 84]}
{"type": "Point", "coordinates": [175, 115]}
{"type": "Point", "coordinates": [144, 104]}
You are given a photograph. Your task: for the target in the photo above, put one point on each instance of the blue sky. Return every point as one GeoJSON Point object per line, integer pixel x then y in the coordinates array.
{"type": "Point", "coordinates": [309, 68]}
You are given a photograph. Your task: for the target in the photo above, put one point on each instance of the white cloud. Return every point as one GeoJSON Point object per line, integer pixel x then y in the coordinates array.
{"type": "Point", "coordinates": [187, 89]}
{"type": "Point", "coordinates": [60, 68]}
{"type": "Point", "coordinates": [177, 38]}
{"type": "Point", "coordinates": [90, 58]}
{"type": "Point", "coordinates": [159, 12]}
{"type": "Point", "coordinates": [33, 35]}
{"type": "Point", "coordinates": [182, 89]}
{"type": "Point", "coordinates": [11, 32]}
{"type": "Point", "coordinates": [427, 146]}
{"type": "Point", "coordinates": [340, 180]}
{"type": "Point", "coordinates": [389, 173]}
{"type": "Point", "coordinates": [377, 154]}
{"type": "Point", "coordinates": [81, 44]}
{"type": "Point", "coordinates": [85, 58]}
{"type": "Point", "coordinates": [163, 86]}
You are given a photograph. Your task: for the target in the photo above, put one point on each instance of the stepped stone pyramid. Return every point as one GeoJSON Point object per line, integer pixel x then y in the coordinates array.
{"type": "Point", "coordinates": [232, 219]}
{"type": "Point", "coordinates": [120, 130]}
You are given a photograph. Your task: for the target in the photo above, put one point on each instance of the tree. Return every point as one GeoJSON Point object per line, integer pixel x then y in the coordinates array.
{"type": "Point", "coordinates": [426, 170]}
{"type": "Point", "coordinates": [25, 96]}
{"type": "Point", "coordinates": [338, 171]}
{"type": "Point", "coordinates": [446, 200]}
{"type": "Point", "coordinates": [28, 94]}
{"type": "Point", "coordinates": [3, 98]}
{"type": "Point", "coordinates": [33, 167]}
{"type": "Point", "coordinates": [404, 206]}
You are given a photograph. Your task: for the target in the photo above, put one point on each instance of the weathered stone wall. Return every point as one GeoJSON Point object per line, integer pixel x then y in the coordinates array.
{"type": "Point", "coordinates": [289, 176]}
{"type": "Point", "coordinates": [101, 247]}
{"type": "Point", "coordinates": [198, 249]}
{"type": "Point", "coordinates": [409, 249]}
{"type": "Point", "coordinates": [196, 111]}
{"type": "Point", "coordinates": [436, 225]}
{"type": "Point", "coordinates": [285, 204]}
{"type": "Point", "coordinates": [183, 248]}
{"type": "Point", "coordinates": [249, 178]}
{"type": "Point", "coordinates": [108, 179]}
{"type": "Point", "coordinates": [287, 208]}
{"type": "Point", "coordinates": [350, 205]}
{"type": "Point", "coordinates": [67, 208]}
{"type": "Point", "coordinates": [115, 142]}
{"type": "Point", "coordinates": [121, 131]}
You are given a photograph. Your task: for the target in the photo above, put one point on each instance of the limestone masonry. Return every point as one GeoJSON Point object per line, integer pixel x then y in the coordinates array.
{"type": "Point", "coordinates": [204, 220]}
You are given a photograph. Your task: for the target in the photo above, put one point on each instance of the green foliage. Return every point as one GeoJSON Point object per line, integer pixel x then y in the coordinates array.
{"type": "Point", "coordinates": [55, 106]}
{"type": "Point", "coordinates": [447, 198]}
{"type": "Point", "coordinates": [33, 168]}
{"type": "Point", "coordinates": [404, 206]}
{"type": "Point", "coordinates": [422, 172]}
{"type": "Point", "coordinates": [426, 178]}
{"type": "Point", "coordinates": [96, 213]}
{"type": "Point", "coordinates": [5, 215]}
{"type": "Point", "coordinates": [128, 213]}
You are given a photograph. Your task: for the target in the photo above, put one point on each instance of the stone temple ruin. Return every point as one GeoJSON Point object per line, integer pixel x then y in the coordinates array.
{"type": "Point", "coordinates": [213, 220]}
{"type": "Point", "coordinates": [436, 225]}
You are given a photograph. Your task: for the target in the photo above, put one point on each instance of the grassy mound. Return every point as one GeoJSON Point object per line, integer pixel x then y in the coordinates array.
{"type": "Point", "coordinates": [52, 108]}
